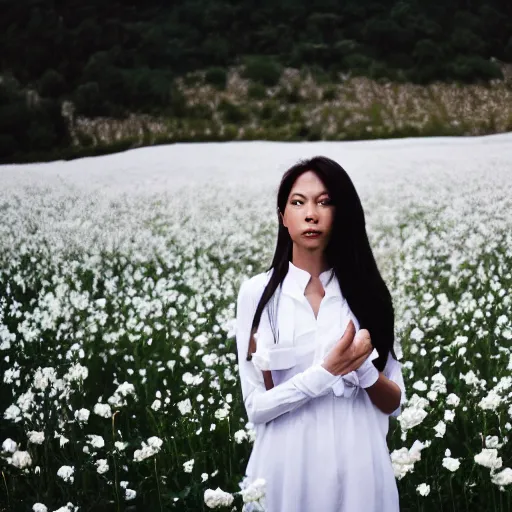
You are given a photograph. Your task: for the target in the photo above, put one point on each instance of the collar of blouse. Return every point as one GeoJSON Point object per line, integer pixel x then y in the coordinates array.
{"type": "Point", "coordinates": [296, 280]}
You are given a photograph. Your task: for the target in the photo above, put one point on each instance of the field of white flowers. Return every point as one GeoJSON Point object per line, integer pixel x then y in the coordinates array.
{"type": "Point", "coordinates": [118, 284]}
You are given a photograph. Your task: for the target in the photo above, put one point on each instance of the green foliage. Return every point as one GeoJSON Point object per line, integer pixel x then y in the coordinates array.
{"type": "Point", "coordinates": [88, 100]}
{"type": "Point", "coordinates": [52, 84]}
{"type": "Point", "coordinates": [216, 76]}
{"type": "Point", "coordinates": [232, 113]}
{"type": "Point", "coordinates": [467, 67]}
{"type": "Point", "coordinates": [257, 91]}
{"type": "Point", "coordinates": [89, 39]}
{"type": "Point", "coordinates": [112, 59]}
{"type": "Point", "coordinates": [27, 122]}
{"type": "Point", "coordinates": [263, 70]}
{"type": "Point", "coordinates": [329, 93]}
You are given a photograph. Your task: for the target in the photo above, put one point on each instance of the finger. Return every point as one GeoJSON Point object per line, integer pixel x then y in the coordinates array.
{"type": "Point", "coordinates": [348, 336]}
{"type": "Point", "coordinates": [352, 361]}
{"type": "Point", "coordinates": [362, 336]}
{"type": "Point", "coordinates": [361, 349]}
{"type": "Point", "coordinates": [362, 342]}
{"type": "Point", "coordinates": [354, 364]}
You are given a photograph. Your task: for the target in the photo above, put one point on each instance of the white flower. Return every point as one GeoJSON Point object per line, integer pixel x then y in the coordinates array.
{"type": "Point", "coordinates": [96, 441]}
{"type": "Point", "coordinates": [432, 395]}
{"type": "Point", "coordinates": [66, 473]}
{"type": "Point", "coordinates": [155, 442]}
{"type": "Point", "coordinates": [102, 466]}
{"type": "Point", "coordinates": [438, 383]}
{"type": "Point", "coordinates": [255, 491]}
{"type": "Point", "coordinates": [440, 429]}
{"type": "Point", "coordinates": [451, 464]}
{"type": "Point", "coordinates": [148, 450]}
{"type": "Point", "coordinates": [120, 445]}
{"type": "Point", "coordinates": [403, 459]}
{"type": "Point", "coordinates": [43, 377]}
{"type": "Point", "coordinates": [39, 507]}
{"type": "Point", "coordinates": [420, 385]}
{"type": "Point", "coordinates": [204, 477]}
{"type": "Point", "coordinates": [491, 401]}
{"type": "Point", "coordinates": [240, 435]}
{"type": "Point", "coordinates": [62, 439]}
{"type": "Point", "coordinates": [449, 415]}
{"type": "Point", "coordinates": [21, 459]}
{"type": "Point", "coordinates": [452, 399]}
{"type": "Point", "coordinates": [459, 340]}
{"type": "Point", "coordinates": [492, 442]}
{"type": "Point", "coordinates": [82, 415]}
{"type": "Point", "coordinates": [415, 450]}
{"type": "Point", "coordinates": [502, 478]}
{"type": "Point", "coordinates": [488, 458]}
{"type": "Point", "coordinates": [417, 334]}
{"type": "Point", "coordinates": [410, 417]}
{"type": "Point", "coordinates": [217, 498]}
{"type": "Point", "coordinates": [129, 494]}
{"type": "Point", "coordinates": [13, 412]}
{"type": "Point", "coordinates": [417, 401]}
{"type": "Point", "coordinates": [103, 410]}
{"type": "Point", "coordinates": [470, 378]}
{"type": "Point", "coordinates": [185, 406]}
{"type": "Point", "coordinates": [9, 445]}
{"type": "Point", "coordinates": [423, 489]}
{"type": "Point", "coordinates": [502, 320]}
{"type": "Point", "coordinates": [191, 380]}
{"type": "Point", "coordinates": [76, 372]}
{"type": "Point", "coordinates": [188, 466]}
{"type": "Point", "coordinates": [35, 437]}
{"type": "Point", "coordinates": [156, 405]}
{"type": "Point", "coordinates": [223, 412]}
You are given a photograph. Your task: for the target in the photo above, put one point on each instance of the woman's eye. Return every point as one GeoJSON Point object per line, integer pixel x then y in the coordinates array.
{"type": "Point", "coordinates": [325, 202]}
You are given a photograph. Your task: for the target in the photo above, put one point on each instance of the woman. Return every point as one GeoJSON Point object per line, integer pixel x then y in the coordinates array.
{"type": "Point", "coordinates": [315, 340]}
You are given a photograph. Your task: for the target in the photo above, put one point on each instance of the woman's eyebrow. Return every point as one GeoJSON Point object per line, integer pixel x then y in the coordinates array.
{"type": "Point", "coordinates": [299, 194]}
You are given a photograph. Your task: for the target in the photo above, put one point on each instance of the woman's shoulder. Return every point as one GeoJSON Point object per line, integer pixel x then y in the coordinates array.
{"type": "Point", "coordinates": [255, 285]}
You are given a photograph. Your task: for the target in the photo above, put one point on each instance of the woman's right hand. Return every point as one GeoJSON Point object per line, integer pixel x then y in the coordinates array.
{"type": "Point", "coordinates": [349, 353]}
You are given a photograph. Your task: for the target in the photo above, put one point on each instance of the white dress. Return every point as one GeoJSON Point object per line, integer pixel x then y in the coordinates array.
{"type": "Point", "coordinates": [320, 442]}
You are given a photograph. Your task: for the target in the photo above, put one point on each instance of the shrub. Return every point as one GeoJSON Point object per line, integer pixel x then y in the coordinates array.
{"type": "Point", "coordinates": [217, 77]}
{"type": "Point", "coordinates": [257, 91]}
{"type": "Point", "coordinates": [52, 84]}
{"type": "Point", "coordinates": [264, 70]}
{"type": "Point", "coordinates": [232, 113]}
{"type": "Point", "coordinates": [329, 93]}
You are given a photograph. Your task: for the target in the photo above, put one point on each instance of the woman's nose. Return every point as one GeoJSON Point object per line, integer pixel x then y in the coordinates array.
{"type": "Point", "coordinates": [311, 213]}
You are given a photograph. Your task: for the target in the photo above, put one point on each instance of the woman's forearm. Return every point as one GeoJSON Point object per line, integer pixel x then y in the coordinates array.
{"type": "Point", "coordinates": [385, 394]}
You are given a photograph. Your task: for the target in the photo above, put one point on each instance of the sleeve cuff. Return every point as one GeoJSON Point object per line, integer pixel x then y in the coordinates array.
{"type": "Point", "coordinates": [367, 376]}
{"type": "Point", "coordinates": [316, 380]}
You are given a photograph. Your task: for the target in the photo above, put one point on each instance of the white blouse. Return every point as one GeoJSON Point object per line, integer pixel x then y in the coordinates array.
{"type": "Point", "coordinates": [320, 441]}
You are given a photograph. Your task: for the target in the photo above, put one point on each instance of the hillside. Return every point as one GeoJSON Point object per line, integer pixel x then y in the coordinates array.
{"type": "Point", "coordinates": [113, 58]}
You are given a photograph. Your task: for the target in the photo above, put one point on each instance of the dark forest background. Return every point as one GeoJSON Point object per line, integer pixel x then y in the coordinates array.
{"type": "Point", "coordinates": [113, 57]}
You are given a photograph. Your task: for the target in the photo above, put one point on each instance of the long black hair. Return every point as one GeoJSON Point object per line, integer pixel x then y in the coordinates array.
{"type": "Point", "coordinates": [348, 252]}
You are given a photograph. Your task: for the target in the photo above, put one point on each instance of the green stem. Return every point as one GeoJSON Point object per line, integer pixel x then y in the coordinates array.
{"type": "Point", "coordinates": [451, 493]}
{"type": "Point", "coordinates": [158, 487]}
{"type": "Point", "coordinates": [116, 485]}
{"type": "Point", "coordinates": [7, 491]}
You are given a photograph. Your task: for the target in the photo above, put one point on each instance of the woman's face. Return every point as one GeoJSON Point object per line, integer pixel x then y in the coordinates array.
{"type": "Point", "coordinates": [309, 207]}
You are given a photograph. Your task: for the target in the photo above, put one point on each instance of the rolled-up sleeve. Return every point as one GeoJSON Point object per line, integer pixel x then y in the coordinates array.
{"type": "Point", "coordinates": [264, 405]}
